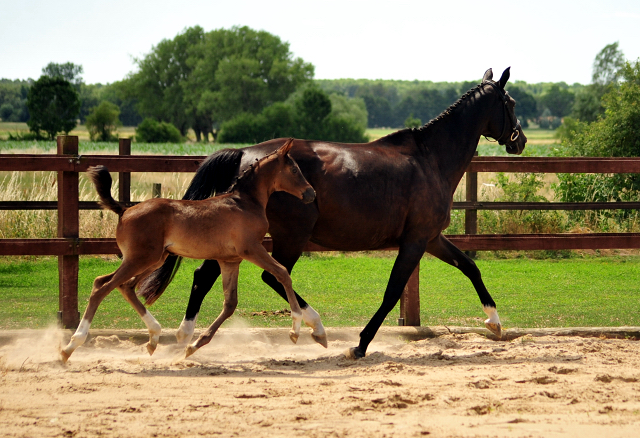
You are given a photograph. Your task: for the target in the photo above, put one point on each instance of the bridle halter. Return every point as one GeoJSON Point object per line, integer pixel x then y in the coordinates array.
{"type": "Point", "coordinates": [516, 128]}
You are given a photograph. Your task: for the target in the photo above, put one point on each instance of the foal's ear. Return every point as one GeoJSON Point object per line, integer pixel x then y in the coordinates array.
{"type": "Point", "coordinates": [488, 75]}
{"type": "Point", "coordinates": [285, 148]}
{"type": "Point", "coordinates": [504, 78]}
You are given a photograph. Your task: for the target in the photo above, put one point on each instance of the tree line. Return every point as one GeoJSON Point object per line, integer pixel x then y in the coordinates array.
{"type": "Point", "coordinates": [247, 86]}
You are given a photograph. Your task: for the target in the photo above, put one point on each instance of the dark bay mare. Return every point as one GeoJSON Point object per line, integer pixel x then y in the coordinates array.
{"type": "Point", "coordinates": [396, 191]}
{"type": "Point", "coordinates": [228, 228]}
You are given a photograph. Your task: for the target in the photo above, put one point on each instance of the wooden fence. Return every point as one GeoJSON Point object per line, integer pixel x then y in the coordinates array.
{"type": "Point", "coordinates": [68, 246]}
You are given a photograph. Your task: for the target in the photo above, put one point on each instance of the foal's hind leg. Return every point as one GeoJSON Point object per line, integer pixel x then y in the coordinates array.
{"type": "Point", "coordinates": [449, 253]}
{"type": "Point", "coordinates": [230, 287]}
{"type": "Point", "coordinates": [102, 286]}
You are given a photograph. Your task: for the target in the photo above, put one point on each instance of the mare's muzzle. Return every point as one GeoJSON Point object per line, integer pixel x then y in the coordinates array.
{"type": "Point", "coordinates": [309, 195]}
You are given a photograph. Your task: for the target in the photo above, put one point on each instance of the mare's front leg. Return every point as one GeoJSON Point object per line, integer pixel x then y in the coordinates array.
{"type": "Point", "coordinates": [446, 251]}
{"type": "Point", "coordinates": [261, 258]}
{"type": "Point", "coordinates": [230, 287]}
{"type": "Point", "coordinates": [408, 258]}
{"type": "Point", "coordinates": [203, 279]}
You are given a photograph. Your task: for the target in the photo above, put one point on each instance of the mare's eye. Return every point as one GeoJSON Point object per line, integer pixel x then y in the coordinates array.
{"type": "Point", "coordinates": [294, 170]}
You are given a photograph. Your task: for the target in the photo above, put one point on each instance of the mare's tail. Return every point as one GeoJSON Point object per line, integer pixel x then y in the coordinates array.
{"type": "Point", "coordinates": [214, 176]}
{"type": "Point", "coordinates": [101, 178]}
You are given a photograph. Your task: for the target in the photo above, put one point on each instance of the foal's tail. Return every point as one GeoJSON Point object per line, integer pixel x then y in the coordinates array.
{"type": "Point", "coordinates": [214, 176]}
{"type": "Point", "coordinates": [101, 178]}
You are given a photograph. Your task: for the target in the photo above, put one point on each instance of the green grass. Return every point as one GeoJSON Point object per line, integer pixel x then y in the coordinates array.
{"type": "Point", "coordinates": [347, 289]}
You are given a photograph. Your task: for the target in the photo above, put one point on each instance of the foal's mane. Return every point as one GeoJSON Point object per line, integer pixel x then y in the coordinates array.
{"type": "Point", "coordinates": [247, 174]}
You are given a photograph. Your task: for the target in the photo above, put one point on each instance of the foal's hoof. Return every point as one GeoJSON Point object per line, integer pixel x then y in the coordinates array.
{"type": "Point", "coordinates": [354, 353]}
{"type": "Point", "coordinates": [322, 340]}
{"type": "Point", "coordinates": [189, 351]}
{"type": "Point", "coordinates": [151, 348]}
{"type": "Point", "coordinates": [294, 336]}
{"type": "Point", "coordinates": [64, 356]}
{"type": "Point", "coordinates": [494, 328]}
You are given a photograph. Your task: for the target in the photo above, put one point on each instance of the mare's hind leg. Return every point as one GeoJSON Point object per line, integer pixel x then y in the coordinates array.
{"type": "Point", "coordinates": [102, 286]}
{"type": "Point", "coordinates": [203, 279]}
{"type": "Point", "coordinates": [449, 253]}
{"type": "Point", "coordinates": [230, 286]}
{"type": "Point", "coordinates": [289, 240]}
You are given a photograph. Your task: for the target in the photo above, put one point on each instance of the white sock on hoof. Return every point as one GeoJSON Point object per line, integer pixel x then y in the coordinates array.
{"type": "Point", "coordinates": [186, 330]}
{"type": "Point", "coordinates": [492, 313]}
{"type": "Point", "coordinates": [153, 325]}
{"type": "Point", "coordinates": [312, 319]}
{"type": "Point", "coordinates": [78, 337]}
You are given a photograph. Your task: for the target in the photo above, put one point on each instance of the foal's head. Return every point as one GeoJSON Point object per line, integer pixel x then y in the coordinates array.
{"type": "Point", "coordinates": [504, 126]}
{"type": "Point", "coordinates": [289, 178]}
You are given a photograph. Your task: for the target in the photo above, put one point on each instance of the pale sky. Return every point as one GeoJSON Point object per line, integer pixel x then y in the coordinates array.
{"type": "Point", "coordinates": [542, 41]}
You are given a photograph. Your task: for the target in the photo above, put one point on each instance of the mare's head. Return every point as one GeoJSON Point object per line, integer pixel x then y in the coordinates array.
{"type": "Point", "coordinates": [289, 178]}
{"type": "Point", "coordinates": [503, 126]}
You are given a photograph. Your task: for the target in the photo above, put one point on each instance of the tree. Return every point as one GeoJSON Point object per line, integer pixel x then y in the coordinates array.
{"type": "Point", "coordinates": [103, 121]}
{"type": "Point", "coordinates": [53, 104]}
{"type": "Point", "coordinates": [526, 105]}
{"type": "Point", "coordinates": [198, 80]}
{"type": "Point", "coordinates": [559, 100]}
{"type": "Point", "coordinates": [68, 71]}
{"type": "Point", "coordinates": [412, 122]}
{"type": "Point", "coordinates": [607, 65]}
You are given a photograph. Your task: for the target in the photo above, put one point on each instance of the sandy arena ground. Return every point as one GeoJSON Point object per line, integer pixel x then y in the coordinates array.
{"type": "Point", "coordinates": [255, 383]}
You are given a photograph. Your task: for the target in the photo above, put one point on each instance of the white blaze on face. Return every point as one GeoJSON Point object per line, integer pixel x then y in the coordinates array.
{"type": "Point", "coordinates": [492, 313]}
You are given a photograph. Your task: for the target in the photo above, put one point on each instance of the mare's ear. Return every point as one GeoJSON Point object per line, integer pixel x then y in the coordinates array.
{"type": "Point", "coordinates": [285, 148]}
{"type": "Point", "coordinates": [488, 75]}
{"type": "Point", "coordinates": [504, 78]}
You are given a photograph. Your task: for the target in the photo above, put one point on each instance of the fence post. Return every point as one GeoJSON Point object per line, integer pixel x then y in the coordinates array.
{"type": "Point", "coordinates": [410, 300]}
{"type": "Point", "coordinates": [156, 190]}
{"type": "Point", "coordinates": [124, 185]}
{"type": "Point", "coordinates": [68, 227]}
{"type": "Point", "coordinates": [471, 216]}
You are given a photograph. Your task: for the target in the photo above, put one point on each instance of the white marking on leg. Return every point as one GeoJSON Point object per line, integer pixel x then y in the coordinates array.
{"type": "Point", "coordinates": [312, 319]}
{"type": "Point", "coordinates": [186, 330]}
{"type": "Point", "coordinates": [492, 313]}
{"type": "Point", "coordinates": [455, 262]}
{"type": "Point", "coordinates": [154, 328]}
{"type": "Point", "coordinates": [78, 337]}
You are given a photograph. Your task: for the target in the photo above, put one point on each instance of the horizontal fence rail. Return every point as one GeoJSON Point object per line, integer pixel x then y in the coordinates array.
{"type": "Point", "coordinates": [68, 245]}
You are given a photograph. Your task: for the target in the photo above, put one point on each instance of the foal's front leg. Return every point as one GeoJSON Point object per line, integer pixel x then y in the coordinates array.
{"type": "Point", "coordinates": [260, 257]}
{"type": "Point", "coordinates": [230, 288]}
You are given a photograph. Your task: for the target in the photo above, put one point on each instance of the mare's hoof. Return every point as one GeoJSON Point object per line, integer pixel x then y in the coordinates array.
{"type": "Point", "coordinates": [494, 328]}
{"type": "Point", "coordinates": [294, 336]}
{"type": "Point", "coordinates": [64, 356]}
{"type": "Point", "coordinates": [322, 340]}
{"type": "Point", "coordinates": [354, 353]}
{"type": "Point", "coordinates": [189, 351]}
{"type": "Point", "coordinates": [151, 348]}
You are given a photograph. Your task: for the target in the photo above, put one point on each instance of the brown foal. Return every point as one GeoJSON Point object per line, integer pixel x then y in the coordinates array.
{"type": "Point", "coordinates": [228, 228]}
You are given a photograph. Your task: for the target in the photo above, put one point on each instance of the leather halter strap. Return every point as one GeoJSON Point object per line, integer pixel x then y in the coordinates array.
{"type": "Point", "coordinates": [515, 126]}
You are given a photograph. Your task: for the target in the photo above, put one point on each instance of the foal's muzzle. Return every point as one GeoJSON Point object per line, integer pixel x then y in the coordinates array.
{"type": "Point", "coordinates": [309, 195]}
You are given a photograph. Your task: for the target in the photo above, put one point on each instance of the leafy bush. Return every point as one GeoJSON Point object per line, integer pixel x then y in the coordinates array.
{"type": "Point", "coordinates": [102, 121]}
{"type": "Point", "coordinates": [152, 131]}
{"type": "Point", "coordinates": [614, 135]}
{"type": "Point", "coordinates": [309, 116]}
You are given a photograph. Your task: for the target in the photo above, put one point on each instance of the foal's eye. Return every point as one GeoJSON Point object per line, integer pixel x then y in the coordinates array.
{"type": "Point", "coordinates": [294, 170]}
